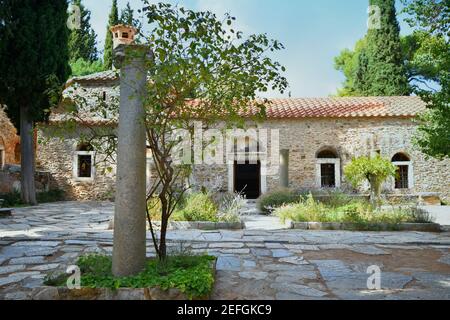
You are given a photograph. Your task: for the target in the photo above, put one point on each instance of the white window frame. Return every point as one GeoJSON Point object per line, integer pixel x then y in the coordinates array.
{"type": "Point", "coordinates": [2, 157]}
{"type": "Point", "coordinates": [337, 171]}
{"type": "Point", "coordinates": [75, 166]}
{"type": "Point", "coordinates": [410, 174]}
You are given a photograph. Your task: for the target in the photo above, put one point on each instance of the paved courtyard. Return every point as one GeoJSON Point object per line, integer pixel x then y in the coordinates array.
{"type": "Point", "coordinates": [252, 264]}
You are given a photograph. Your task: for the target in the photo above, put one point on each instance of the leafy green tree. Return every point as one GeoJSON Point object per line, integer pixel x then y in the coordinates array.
{"type": "Point", "coordinates": [113, 20]}
{"type": "Point", "coordinates": [347, 62]}
{"type": "Point", "coordinates": [196, 55]}
{"type": "Point", "coordinates": [34, 63]}
{"type": "Point", "coordinates": [83, 40]}
{"type": "Point", "coordinates": [82, 67]}
{"type": "Point", "coordinates": [432, 18]}
{"type": "Point", "coordinates": [375, 170]}
{"type": "Point", "coordinates": [418, 57]}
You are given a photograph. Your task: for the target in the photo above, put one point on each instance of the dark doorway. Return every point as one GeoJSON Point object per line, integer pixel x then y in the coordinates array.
{"type": "Point", "coordinates": [247, 179]}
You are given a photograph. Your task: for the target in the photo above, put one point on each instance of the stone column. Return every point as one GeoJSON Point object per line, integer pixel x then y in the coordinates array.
{"type": "Point", "coordinates": [284, 168]}
{"type": "Point", "coordinates": [129, 251]}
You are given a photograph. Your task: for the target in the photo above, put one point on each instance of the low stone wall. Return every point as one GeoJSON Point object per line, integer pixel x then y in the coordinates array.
{"type": "Point", "coordinates": [420, 227]}
{"type": "Point", "coordinates": [54, 293]}
{"type": "Point", "coordinates": [10, 180]}
{"type": "Point", "coordinates": [194, 225]}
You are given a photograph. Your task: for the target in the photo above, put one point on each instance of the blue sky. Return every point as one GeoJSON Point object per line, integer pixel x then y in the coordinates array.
{"type": "Point", "coordinates": [313, 31]}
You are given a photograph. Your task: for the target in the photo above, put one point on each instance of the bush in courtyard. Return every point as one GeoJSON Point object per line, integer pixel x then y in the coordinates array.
{"type": "Point", "coordinates": [358, 212]}
{"type": "Point", "coordinates": [275, 199]}
{"type": "Point", "coordinates": [375, 170]}
{"type": "Point", "coordinates": [230, 205]}
{"type": "Point", "coordinates": [13, 199]}
{"type": "Point", "coordinates": [199, 207]}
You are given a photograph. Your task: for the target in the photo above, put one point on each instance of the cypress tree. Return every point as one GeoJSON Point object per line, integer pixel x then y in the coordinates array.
{"type": "Point", "coordinates": [127, 16]}
{"type": "Point", "coordinates": [83, 41]}
{"type": "Point", "coordinates": [382, 73]}
{"type": "Point", "coordinates": [113, 20]}
{"type": "Point", "coordinates": [33, 62]}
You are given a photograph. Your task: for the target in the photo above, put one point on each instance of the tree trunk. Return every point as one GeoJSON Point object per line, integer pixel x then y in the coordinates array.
{"type": "Point", "coordinates": [374, 191]}
{"type": "Point", "coordinates": [27, 182]}
{"type": "Point", "coordinates": [163, 234]}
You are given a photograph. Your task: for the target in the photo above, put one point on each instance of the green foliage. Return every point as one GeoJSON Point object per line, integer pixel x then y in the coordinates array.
{"type": "Point", "coordinates": [82, 41]}
{"type": "Point", "coordinates": [82, 67]}
{"type": "Point", "coordinates": [277, 198]}
{"type": "Point", "coordinates": [347, 63]}
{"type": "Point", "coordinates": [230, 205]}
{"type": "Point", "coordinates": [432, 20]}
{"type": "Point", "coordinates": [13, 199]}
{"type": "Point", "coordinates": [199, 207]}
{"type": "Point", "coordinates": [192, 275]}
{"type": "Point", "coordinates": [361, 213]}
{"type": "Point", "coordinates": [108, 52]}
{"type": "Point", "coordinates": [127, 16]}
{"type": "Point", "coordinates": [28, 61]}
{"type": "Point", "coordinates": [380, 70]}
{"type": "Point", "coordinates": [374, 170]}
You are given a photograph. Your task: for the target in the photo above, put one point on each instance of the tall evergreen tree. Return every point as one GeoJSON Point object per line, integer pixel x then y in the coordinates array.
{"type": "Point", "coordinates": [83, 41]}
{"type": "Point", "coordinates": [113, 20]}
{"type": "Point", "coordinates": [385, 73]}
{"type": "Point", "coordinates": [127, 16]}
{"type": "Point", "coordinates": [33, 62]}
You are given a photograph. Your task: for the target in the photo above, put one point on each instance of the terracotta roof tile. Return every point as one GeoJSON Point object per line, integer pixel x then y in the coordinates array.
{"type": "Point", "coordinates": [352, 107]}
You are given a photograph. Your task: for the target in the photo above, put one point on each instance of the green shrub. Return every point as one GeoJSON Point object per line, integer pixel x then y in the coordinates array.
{"type": "Point", "coordinates": [361, 213]}
{"type": "Point", "coordinates": [192, 275]}
{"type": "Point", "coordinates": [14, 199]}
{"type": "Point", "coordinates": [199, 207]}
{"type": "Point", "coordinates": [332, 198]}
{"type": "Point", "coordinates": [230, 205]}
{"type": "Point", "coordinates": [268, 202]}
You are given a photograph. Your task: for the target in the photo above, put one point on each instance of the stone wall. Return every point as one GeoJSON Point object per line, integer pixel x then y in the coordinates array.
{"type": "Point", "coordinates": [9, 140]}
{"type": "Point", "coordinates": [10, 180]}
{"type": "Point", "coordinates": [56, 155]}
{"type": "Point", "coordinates": [303, 139]}
{"type": "Point", "coordinates": [350, 138]}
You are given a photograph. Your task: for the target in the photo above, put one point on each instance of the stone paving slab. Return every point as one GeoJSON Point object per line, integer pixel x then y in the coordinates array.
{"type": "Point", "coordinates": [252, 264]}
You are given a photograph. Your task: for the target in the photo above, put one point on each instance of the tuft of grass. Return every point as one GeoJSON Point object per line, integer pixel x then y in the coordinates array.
{"type": "Point", "coordinates": [359, 212]}
{"type": "Point", "coordinates": [192, 275]}
{"type": "Point", "coordinates": [268, 202]}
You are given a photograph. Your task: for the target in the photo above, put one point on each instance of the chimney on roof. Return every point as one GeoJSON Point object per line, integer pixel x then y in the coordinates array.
{"type": "Point", "coordinates": [123, 34]}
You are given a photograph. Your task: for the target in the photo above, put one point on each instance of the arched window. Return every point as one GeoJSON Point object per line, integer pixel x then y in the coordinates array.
{"type": "Point", "coordinates": [403, 177]}
{"type": "Point", "coordinates": [83, 166]}
{"type": "Point", "coordinates": [328, 169]}
{"type": "Point", "coordinates": [327, 154]}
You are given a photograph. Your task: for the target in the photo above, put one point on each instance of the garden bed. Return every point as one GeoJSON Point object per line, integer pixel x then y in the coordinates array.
{"type": "Point", "coordinates": [421, 227]}
{"type": "Point", "coordinates": [179, 278]}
